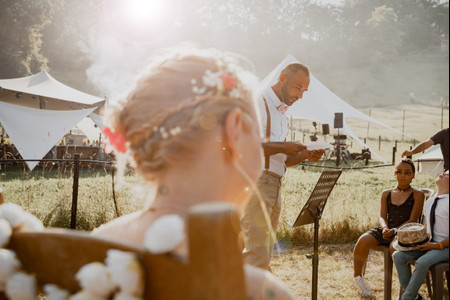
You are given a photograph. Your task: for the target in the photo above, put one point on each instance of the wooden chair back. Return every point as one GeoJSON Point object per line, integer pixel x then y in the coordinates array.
{"type": "Point", "coordinates": [214, 269]}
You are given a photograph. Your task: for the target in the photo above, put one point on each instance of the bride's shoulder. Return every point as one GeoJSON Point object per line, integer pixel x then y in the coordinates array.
{"type": "Point", "coordinates": [113, 227]}
{"type": "Point", "coordinates": [262, 284]}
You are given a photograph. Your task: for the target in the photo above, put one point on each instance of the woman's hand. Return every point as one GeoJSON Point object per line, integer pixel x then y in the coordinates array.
{"type": "Point", "coordinates": [428, 246]}
{"type": "Point", "coordinates": [388, 233]}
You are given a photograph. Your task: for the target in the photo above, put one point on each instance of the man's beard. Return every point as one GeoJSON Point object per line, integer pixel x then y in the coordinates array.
{"type": "Point", "coordinates": [284, 95]}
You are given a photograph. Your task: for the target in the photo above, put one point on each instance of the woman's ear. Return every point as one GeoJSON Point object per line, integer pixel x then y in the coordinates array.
{"type": "Point", "coordinates": [232, 131]}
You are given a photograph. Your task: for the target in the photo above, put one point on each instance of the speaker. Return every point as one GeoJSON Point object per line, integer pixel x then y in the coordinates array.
{"type": "Point", "coordinates": [338, 120]}
{"type": "Point", "coordinates": [325, 129]}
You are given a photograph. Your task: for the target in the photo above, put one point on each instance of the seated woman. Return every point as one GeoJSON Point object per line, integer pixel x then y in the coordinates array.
{"type": "Point", "coordinates": [399, 205]}
{"type": "Point", "coordinates": [191, 131]}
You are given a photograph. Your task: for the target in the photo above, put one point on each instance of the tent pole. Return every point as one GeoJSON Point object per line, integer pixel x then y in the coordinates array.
{"type": "Point", "coordinates": [368, 125]}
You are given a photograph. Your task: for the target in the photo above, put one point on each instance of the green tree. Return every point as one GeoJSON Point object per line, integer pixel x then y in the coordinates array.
{"type": "Point", "coordinates": [21, 29]}
{"type": "Point", "coordinates": [384, 37]}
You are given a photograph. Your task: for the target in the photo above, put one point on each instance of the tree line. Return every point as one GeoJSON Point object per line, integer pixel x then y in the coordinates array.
{"type": "Point", "coordinates": [56, 34]}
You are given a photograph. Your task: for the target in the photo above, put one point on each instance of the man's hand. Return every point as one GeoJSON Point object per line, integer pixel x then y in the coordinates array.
{"type": "Point", "coordinates": [428, 246]}
{"type": "Point", "coordinates": [314, 155]}
{"type": "Point", "coordinates": [293, 148]}
{"type": "Point", "coordinates": [407, 153]}
{"type": "Point", "coordinates": [311, 155]}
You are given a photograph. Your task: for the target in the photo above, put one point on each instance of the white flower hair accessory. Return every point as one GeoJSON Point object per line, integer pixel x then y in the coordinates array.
{"type": "Point", "coordinates": [223, 82]}
{"type": "Point", "coordinates": [126, 272]}
{"type": "Point", "coordinates": [165, 234]}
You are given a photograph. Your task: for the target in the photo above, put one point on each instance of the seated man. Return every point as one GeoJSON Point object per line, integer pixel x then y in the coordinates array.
{"type": "Point", "coordinates": [432, 252]}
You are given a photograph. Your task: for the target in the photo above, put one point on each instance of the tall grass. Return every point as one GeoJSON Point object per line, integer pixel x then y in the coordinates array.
{"type": "Point", "coordinates": [48, 195]}
{"type": "Point", "coordinates": [352, 207]}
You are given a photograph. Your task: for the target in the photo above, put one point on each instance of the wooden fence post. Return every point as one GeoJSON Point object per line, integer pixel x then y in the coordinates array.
{"type": "Point", "coordinates": [394, 150]}
{"type": "Point", "coordinates": [76, 173]}
{"type": "Point", "coordinates": [114, 192]}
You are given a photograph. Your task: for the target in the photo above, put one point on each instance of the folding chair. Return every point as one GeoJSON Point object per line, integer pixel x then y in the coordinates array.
{"type": "Point", "coordinates": [214, 269]}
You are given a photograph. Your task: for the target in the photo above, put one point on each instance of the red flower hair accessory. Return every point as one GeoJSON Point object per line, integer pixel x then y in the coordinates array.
{"type": "Point", "coordinates": [114, 140]}
{"type": "Point", "coordinates": [228, 81]}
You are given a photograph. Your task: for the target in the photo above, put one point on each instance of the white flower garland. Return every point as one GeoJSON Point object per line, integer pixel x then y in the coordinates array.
{"type": "Point", "coordinates": [165, 234]}
{"type": "Point", "coordinates": [122, 273]}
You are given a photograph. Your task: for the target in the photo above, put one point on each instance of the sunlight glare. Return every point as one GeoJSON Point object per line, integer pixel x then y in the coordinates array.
{"type": "Point", "coordinates": [146, 11]}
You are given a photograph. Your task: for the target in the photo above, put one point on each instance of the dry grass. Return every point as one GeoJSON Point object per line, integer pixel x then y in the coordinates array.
{"type": "Point", "coordinates": [335, 278]}
{"type": "Point", "coordinates": [352, 208]}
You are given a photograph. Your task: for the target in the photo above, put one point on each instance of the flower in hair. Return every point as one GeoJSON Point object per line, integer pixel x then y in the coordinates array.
{"type": "Point", "coordinates": [223, 82]}
{"type": "Point", "coordinates": [114, 140]}
{"type": "Point", "coordinates": [228, 81]}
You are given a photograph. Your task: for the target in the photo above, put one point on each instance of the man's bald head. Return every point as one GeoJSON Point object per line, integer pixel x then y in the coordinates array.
{"type": "Point", "coordinates": [292, 69]}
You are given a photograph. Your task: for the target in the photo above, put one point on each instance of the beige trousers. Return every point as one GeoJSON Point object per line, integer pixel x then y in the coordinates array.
{"type": "Point", "coordinates": [257, 239]}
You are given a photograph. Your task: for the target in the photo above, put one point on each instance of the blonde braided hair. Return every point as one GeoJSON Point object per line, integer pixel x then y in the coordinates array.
{"type": "Point", "coordinates": [165, 99]}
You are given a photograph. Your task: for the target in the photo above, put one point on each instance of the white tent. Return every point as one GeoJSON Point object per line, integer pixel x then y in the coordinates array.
{"type": "Point", "coordinates": [43, 91]}
{"type": "Point", "coordinates": [321, 104]}
{"type": "Point", "coordinates": [37, 111]}
{"type": "Point", "coordinates": [431, 161]}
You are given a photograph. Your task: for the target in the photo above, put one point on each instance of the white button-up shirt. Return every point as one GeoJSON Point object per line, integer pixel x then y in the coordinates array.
{"type": "Point", "coordinates": [279, 128]}
{"type": "Point", "coordinates": [441, 213]}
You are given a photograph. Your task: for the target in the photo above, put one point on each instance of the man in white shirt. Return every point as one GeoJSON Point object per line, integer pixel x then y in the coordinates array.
{"type": "Point", "coordinates": [432, 252]}
{"type": "Point", "coordinates": [292, 83]}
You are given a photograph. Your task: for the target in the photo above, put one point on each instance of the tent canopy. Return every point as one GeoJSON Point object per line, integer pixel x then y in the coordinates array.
{"type": "Point", "coordinates": [37, 111]}
{"type": "Point", "coordinates": [321, 104]}
{"type": "Point", "coordinates": [434, 153]}
{"type": "Point", "coordinates": [43, 91]}
{"type": "Point", "coordinates": [431, 161]}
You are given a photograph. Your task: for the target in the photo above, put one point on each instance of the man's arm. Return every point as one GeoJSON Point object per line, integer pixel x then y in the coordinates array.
{"type": "Point", "coordinates": [419, 148]}
{"type": "Point", "coordinates": [433, 245]}
{"type": "Point", "coordinates": [311, 155]}
{"type": "Point", "coordinates": [288, 148]}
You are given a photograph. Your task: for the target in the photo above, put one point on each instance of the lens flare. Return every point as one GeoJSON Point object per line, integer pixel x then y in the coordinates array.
{"type": "Point", "coordinates": [143, 21]}
{"type": "Point", "coordinates": [146, 11]}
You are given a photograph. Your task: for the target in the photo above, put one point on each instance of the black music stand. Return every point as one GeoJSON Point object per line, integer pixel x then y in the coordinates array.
{"type": "Point", "coordinates": [312, 212]}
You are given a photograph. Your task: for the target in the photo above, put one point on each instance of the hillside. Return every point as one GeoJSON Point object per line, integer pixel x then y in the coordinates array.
{"type": "Point", "coordinates": [418, 79]}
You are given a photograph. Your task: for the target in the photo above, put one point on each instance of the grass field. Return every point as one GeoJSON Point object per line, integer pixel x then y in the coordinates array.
{"type": "Point", "coordinates": [352, 208]}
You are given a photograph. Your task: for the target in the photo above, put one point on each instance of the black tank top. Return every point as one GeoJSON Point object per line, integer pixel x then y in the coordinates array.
{"type": "Point", "coordinates": [399, 214]}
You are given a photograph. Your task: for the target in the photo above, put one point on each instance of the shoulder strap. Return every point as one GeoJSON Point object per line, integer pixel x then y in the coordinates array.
{"type": "Point", "coordinates": [267, 157]}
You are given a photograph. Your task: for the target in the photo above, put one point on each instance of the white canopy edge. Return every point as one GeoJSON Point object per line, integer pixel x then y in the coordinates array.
{"type": "Point", "coordinates": [433, 153]}
{"type": "Point", "coordinates": [35, 131]}
{"type": "Point", "coordinates": [42, 84]}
